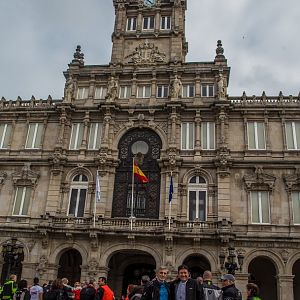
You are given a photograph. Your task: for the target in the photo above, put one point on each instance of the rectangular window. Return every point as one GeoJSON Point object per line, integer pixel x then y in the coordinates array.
{"type": "Point", "coordinates": [296, 207]}
{"type": "Point", "coordinates": [22, 200]}
{"type": "Point", "coordinates": [131, 24]}
{"type": "Point", "coordinates": [144, 91]}
{"type": "Point", "coordinates": [5, 132]}
{"type": "Point", "coordinates": [95, 136]}
{"type": "Point", "coordinates": [165, 22]}
{"type": "Point", "coordinates": [148, 23]}
{"type": "Point", "coordinates": [187, 136]}
{"type": "Point", "coordinates": [208, 135]}
{"type": "Point", "coordinates": [260, 208]}
{"type": "Point", "coordinates": [162, 91]}
{"type": "Point", "coordinates": [256, 136]}
{"type": "Point", "coordinates": [125, 92]}
{"type": "Point", "coordinates": [188, 91]}
{"type": "Point", "coordinates": [76, 136]}
{"type": "Point", "coordinates": [77, 202]}
{"type": "Point", "coordinates": [292, 130]}
{"type": "Point", "coordinates": [207, 90]}
{"type": "Point", "coordinates": [34, 136]}
{"type": "Point", "coordinates": [82, 93]}
{"type": "Point", "coordinates": [197, 205]}
{"type": "Point", "coordinates": [100, 92]}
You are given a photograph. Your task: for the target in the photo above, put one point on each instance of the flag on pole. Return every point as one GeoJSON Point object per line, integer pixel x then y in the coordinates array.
{"type": "Point", "coordinates": [98, 192]}
{"type": "Point", "coordinates": [138, 173]}
{"type": "Point", "coordinates": [171, 189]}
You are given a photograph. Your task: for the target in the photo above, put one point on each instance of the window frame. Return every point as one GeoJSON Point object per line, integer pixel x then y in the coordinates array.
{"type": "Point", "coordinates": [125, 91]}
{"type": "Point", "coordinates": [209, 136]}
{"type": "Point", "coordinates": [207, 88]}
{"type": "Point", "coordinates": [97, 134]}
{"type": "Point", "coordinates": [150, 23]}
{"type": "Point", "coordinates": [144, 89]}
{"type": "Point", "coordinates": [256, 135]}
{"type": "Point", "coordinates": [82, 92]}
{"type": "Point", "coordinates": [131, 23]}
{"type": "Point", "coordinates": [295, 139]}
{"type": "Point", "coordinates": [188, 87]}
{"type": "Point", "coordinates": [38, 128]}
{"type": "Point", "coordinates": [102, 94]}
{"type": "Point", "coordinates": [6, 135]}
{"type": "Point", "coordinates": [293, 207]}
{"type": "Point", "coordinates": [260, 207]}
{"type": "Point", "coordinates": [187, 137]}
{"type": "Point", "coordinates": [164, 22]}
{"type": "Point", "coordinates": [78, 127]}
{"type": "Point", "coordinates": [164, 91]}
{"type": "Point", "coordinates": [23, 196]}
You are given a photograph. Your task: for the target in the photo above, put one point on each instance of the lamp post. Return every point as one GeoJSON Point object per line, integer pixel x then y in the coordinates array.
{"type": "Point", "coordinates": [13, 255]}
{"type": "Point", "coordinates": [231, 265]}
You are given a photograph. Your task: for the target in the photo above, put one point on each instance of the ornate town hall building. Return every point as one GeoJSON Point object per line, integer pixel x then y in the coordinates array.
{"type": "Point", "coordinates": [234, 163]}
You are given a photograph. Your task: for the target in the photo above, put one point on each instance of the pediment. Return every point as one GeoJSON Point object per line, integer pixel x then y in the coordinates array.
{"type": "Point", "coordinates": [292, 181]}
{"type": "Point", "coordinates": [25, 177]}
{"type": "Point", "coordinates": [259, 180]}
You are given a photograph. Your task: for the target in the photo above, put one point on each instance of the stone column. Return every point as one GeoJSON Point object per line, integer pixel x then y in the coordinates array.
{"type": "Point", "coordinates": [85, 131]}
{"type": "Point", "coordinates": [285, 287]}
{"type": "Point", "coordinates": [197, 133]}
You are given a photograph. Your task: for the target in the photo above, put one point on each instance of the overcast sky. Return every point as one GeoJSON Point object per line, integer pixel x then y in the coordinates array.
{"type": "Point", "coordinates": [38, 39]}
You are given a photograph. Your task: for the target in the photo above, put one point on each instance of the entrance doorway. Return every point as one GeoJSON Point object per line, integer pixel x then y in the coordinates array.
{"type": "Point", "coordinates": [263, 273]}
{"type": "Point", "coordinates": [69, 266]}
{"type": "Point", "coordinates": [127, 267]}
{"type": "Point", "coordinates": [197, 265]}
{"type": "Point", "coordinates": [296, 283]}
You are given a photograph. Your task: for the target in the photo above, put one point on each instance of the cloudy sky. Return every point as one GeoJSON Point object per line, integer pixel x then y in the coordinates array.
{"type": "Point", "coordinates": [38, 39]}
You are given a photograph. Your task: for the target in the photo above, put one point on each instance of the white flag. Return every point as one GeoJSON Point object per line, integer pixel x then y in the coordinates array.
{"type": "Point", "coordinates": [98, 192]}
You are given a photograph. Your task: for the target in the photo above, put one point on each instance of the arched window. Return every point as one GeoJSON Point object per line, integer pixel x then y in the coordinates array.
{"type": "Point", "coordinates": [78, 193]}
{"type": "Point", "coordinates": [197, 199]}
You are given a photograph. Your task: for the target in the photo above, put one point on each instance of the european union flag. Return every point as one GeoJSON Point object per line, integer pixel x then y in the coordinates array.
{"type": "Point", "coordinates": [171, 189]}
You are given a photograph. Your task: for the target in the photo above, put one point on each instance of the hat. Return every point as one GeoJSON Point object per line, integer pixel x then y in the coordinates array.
{"type": "Point", "coordinates": [228, 277]}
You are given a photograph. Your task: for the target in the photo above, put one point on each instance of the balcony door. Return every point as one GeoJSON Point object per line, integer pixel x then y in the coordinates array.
{"type": "Point", "coordinates": [143, 145]}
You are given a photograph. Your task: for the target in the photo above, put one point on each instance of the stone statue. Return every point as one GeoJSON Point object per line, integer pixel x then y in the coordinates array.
{"type": "Point", "coordinates": [112, 89]}
{"type": "Point", "coordinates": [221, 87]}
{"type": "Point", "coordinates": [70, 89]}
{"type": "Point", "coordinates": [175, 88]}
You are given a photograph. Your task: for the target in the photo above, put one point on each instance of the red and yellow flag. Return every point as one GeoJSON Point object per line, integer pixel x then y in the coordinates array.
{"type": "Point", "coordinates": [138, 173]}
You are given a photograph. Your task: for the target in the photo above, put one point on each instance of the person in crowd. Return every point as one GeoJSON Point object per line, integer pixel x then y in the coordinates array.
{"type": "Point", "coordinates": [210, 290]}
{"type": "Point", "coordinates": [9, 288]}
{"type": "Point", "coordinates": [36, 291]}
{"type": "Point", "coordinates": [47, 287]}
{"type": "Point", "coordinates": [56, 292]}
{"type": "Point", "coordinates": [104, 292]}
{"type": "Point", "coordinates": [22, 292]}
{"type": "Point", "coordinates": [230, 292]}
{"type": "Point", "coordinates": [138, 291]}
{"type": "Point", "coordinates": [252, 292]}
{"type": "Point", "coordinates": [129, 290]}
{"type": "Point", "coordinates": [67, 288]}
{"type": "Point", "coordinates": [199, 280]}
{"type": "Point", "coordinates": [184, 287]}
{"type": "Point", "coordinates": [88, 292]}
{"type": "Point", "coordinates": [76, 290]}
{"type": "Point", "coordinates": [158, 288]}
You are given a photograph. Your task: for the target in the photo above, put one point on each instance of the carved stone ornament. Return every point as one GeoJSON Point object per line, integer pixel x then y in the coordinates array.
{"type": "Point", "coordinates": [93, 267]}
{"type": "Point", "coordinates": [172, 157]}
{"type": "Point", "coordinates": [169, 245]}
{"type": "Point", "coordinates": [285, 254]}
{"type": "Point", "coordinates": [146, 53]}
{"type": "Point", "coordinates": [25, 177]}
{"type": "Point", "coordinates": [259, 180]}
{"type": "Point", "coordinates": [3, 175]}
{"type": "Point", "coordinates": [42, 266]}
{"type": "Point", "coordinates": [292, 182]}
{"type": "Point", "coordinates": [57, 159]}
{"type": "Point", "coordinates": [223, 161]}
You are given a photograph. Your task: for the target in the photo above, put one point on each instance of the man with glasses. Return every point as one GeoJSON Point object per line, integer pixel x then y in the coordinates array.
{"type": "Point", "coordinates": [230, 292]}
{"type": "Point", "coordinates": [158, 288]}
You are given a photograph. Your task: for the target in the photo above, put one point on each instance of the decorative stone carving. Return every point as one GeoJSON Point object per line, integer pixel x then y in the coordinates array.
{"type": "Point", "coordinates": [94, 241]}
{"type": "Point", "coordinates": [222, 87]}
{"type": "Point", "coordinates": [285, 254]}
{"type": "Point", "coordinates": [223, 161]}
{"type": "Point", "coordinates": [169, 244]}
{"type": "Point", "coordinates": [112, 89]}
{"type": "Point", "coordinates": [175, 88]}
{"type": "Point", "coordinates": [25, 176]}
{"type": "Point", "coordinates": [259, 180]}
{"type": "Point", "coordinates": [146, 53]}
{"type": "Point", "coordinates": [78, 56]}
{"type": "Point", "coordinates": [69, 90]}
{"type": "Point", "coordinates": [3, 175]}
{"type": "Point", "coordinates": [57, 159]}
{"type": "Point", "coordinates": [42, 266]}
{"type": "Point", "coordinates": [172, 157]}
{"type": "Point", "coordinates": [93, 267]}
{"type": "Point", "coordinates": [292, 181]}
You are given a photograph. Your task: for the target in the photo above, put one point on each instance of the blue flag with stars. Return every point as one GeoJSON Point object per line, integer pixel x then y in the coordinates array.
{"type": "Point", "coordinates": [171, 189]}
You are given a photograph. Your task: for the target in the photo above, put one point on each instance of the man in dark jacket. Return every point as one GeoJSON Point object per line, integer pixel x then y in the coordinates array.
{"type": "Point", "coordinates": [211, 291]}
{"type": "Point", "coordinates": [158, 288]}
{"type": "Point", "coordinates": [230, 292]}
{"type": "Point", "coordinates": [88, 292]}
{"type": "Point", "coordinates": [184, 287]}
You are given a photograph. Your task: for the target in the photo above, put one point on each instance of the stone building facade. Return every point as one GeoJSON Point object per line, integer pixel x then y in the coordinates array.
{"type": "Point", "coordinates": [234, 163]}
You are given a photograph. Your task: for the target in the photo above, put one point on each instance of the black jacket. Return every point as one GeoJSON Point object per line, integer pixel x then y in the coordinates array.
{"type": "Point", "coordinates": [194, 291]}
{"type": "Point", "coordinates": [151, 291]}
{"type": "Point", "coordinates": [230, 292]}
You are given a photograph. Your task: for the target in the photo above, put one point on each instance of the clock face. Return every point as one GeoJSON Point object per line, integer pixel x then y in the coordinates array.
{"type": "Point", "coordinates": [149, 3]}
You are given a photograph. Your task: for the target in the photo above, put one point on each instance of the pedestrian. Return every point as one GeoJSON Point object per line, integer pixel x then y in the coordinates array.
{"type": "Point", "coordinates": [36, 291]}
{"type": "Point", "coordinates": [158, 288]}
{"type": "Point", "coordinates": [104, 292]}
{"type": "Point", "coordinates": [88, 292]}
{"type": "Point", "coordinates": [252, 292]}
{"type": "Point", "coordinates": [211, 291]}
{"type": "Point", "coordinates": [22, 293]}
{"type": "Point", "coordinates": [56, 292]}
{"type": "Point", "coordinates": [9, 288]}
{"type": "Point", "coordinates": [67, 288]}
{"type": "Point", "coordinates": [129, 290]}
{"type": "Point", "coordinates": [138, 291]}
{"type": "Point", "coordinates": [77, 290]}
{"type": "Point", "coordinates": [184, 287]}
{"type": "Point", "coordinates": [230, 292]}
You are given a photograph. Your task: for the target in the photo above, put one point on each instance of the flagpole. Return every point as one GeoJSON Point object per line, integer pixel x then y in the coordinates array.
{"type": "Point", "coordinates": [95, 200]}
{"type": "Point", "coordinates": [132, 190]}
{"type": "Point", "coordinates": [170, 204]}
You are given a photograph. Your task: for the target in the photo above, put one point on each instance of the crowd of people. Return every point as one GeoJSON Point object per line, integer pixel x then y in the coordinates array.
{"type": "Point", "coordinates": [182, 288]}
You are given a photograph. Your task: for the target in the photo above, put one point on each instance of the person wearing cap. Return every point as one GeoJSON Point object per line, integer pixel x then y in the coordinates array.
{"type": "Point", "coordinates": [230, 292]}
{"type": "Point", "coordinates": [184, 287]}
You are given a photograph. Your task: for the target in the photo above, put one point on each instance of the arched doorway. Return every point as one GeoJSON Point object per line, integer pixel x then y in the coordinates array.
{"type": "Point", "coordinates": [145, 145]}
{"type": "Point", "coordinates": [296, 283]}
{"type": "Point", "coordinates": [197, 265]}
{"type": "Point", "coordinates": [128, 266]}
{"type": "Point", "coordinates": [263, 273]}
{"type": "Point", "coordinates": [69, 266]}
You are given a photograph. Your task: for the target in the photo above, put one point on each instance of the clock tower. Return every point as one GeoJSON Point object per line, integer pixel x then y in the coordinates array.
{"type": "Point", "coordinates": [149, 32]}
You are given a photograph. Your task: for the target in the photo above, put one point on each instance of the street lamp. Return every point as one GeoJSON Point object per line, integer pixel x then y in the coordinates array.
{"type": "Point", "coordinates": [13, 255]}
{"type": "Point", "coordinates": [231, 265]}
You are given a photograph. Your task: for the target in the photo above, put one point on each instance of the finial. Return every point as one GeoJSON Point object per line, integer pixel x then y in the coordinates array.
{"type": "Point", "coordinates": [78, 56]}
{"type": "Point", "coordinates": [3, 99]}
{"type": "Point", "coordinates": [49, 97]}
{"type": "Point", "coordinates": [32, 98]}
{"type": "Point", "coordinates": [19, 98]}
{"type": "Point", "coordinates": [220, 53]}
{"type": "Point", "coordinates": [263, 94]}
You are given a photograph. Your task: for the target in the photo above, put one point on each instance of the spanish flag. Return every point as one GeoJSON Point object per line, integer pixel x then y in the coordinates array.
{"type": "Point", "coordinates": [138, 173]}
